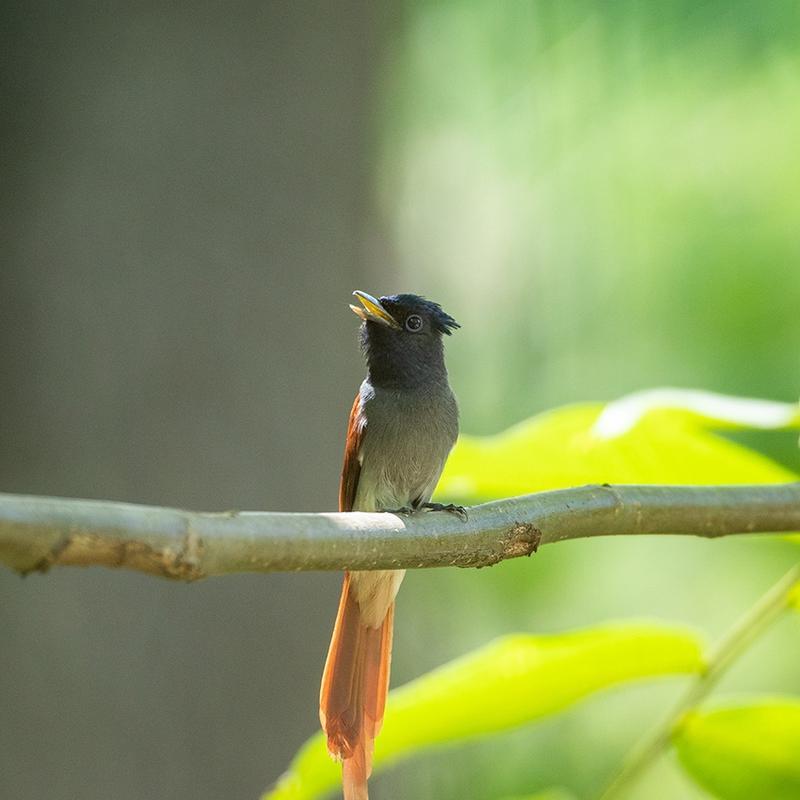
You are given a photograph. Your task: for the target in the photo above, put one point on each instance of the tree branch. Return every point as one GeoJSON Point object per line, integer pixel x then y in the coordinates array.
{"type": "Point", "coordinates": [37, 533]}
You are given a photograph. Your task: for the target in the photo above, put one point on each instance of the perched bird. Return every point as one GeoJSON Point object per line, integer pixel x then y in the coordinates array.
{"type": "Point", "coordinates": [402, 426]}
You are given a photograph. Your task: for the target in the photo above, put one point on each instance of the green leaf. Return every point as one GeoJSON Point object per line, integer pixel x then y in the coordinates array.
{"type": "Point", "coordinates": [509, 682]}
{"type": "Point", "coordinates": [746, 751]}
{"type": "Point", "coordinates": [661, 436]}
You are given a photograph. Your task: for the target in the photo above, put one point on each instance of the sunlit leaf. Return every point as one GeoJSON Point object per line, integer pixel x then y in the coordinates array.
{"type": "Point", "coordinates": [744, 752]}
{"type": "Point", "coordinates": [509, 682]}
{"type": "Point", "coordinates": [712, 409]}
{"type": "Point", "coordinates": [646, 438]}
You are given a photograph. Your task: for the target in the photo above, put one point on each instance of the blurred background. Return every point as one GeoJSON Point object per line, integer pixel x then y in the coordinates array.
{"type": "Point", "coordinates": [604, 195]}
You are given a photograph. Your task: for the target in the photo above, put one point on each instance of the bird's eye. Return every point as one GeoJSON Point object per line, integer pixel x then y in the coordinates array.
{"type": "Point", "coordinates": [413, 323]}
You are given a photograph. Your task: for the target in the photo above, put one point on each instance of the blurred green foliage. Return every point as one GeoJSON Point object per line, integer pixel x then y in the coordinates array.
{"type": "Point", "coordinates": [548, 794]}
{"type": "Point", "coordinates": [605, 196]}
{"type": "Point", "coordinates": [604, 193]}
{"type": "Point", "coordinates": [794, 598]}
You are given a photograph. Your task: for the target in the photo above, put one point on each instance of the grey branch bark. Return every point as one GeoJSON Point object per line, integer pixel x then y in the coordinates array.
{"type": "Point", "coordinates": [37, 533]}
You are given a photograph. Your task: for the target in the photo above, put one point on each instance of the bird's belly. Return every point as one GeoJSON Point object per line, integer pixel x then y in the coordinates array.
{"type": "Point", "coordinates": [405, 448]}
{"type": "Point", "coordinates": [406, 479]}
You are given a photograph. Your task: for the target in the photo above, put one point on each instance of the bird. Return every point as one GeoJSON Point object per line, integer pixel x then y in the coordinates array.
{"type": "Point", "coordinates": [402, 426]}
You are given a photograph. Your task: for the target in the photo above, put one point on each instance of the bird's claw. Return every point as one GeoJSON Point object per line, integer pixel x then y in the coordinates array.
{"type": "Point", "coordinates": [451, 508]}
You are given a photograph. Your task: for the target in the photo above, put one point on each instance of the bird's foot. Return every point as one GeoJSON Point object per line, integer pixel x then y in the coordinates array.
{"type": "Point", "coordinates": [451, 508]}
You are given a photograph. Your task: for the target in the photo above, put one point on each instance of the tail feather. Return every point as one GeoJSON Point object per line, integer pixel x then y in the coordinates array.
{"type": "Point", "coordinates": [354, 686]}
{"type": "Point", "coordinates": [355, 771]}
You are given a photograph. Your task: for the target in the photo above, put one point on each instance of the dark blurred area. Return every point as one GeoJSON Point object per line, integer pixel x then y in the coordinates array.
{"type": "Point", "coordinates": [185, 201]}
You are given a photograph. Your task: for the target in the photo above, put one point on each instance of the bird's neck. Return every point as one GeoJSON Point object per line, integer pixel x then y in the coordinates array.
{"type": "Point", "coordinates": [402, 370]}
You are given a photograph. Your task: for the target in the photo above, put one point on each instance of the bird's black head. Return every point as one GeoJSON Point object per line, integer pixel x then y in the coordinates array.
{"type": "Point", "coordinates": [402, 339]}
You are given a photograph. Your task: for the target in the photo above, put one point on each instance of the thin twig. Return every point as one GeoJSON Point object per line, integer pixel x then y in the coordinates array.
{"type": "Point", "coordinates": [37, 533]}
{"type": "Point", "coordinates": [733, 644]}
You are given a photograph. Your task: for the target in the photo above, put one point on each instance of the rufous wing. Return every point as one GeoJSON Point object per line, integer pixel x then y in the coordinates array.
{"type": "Point", "coordinates": [351, 468]}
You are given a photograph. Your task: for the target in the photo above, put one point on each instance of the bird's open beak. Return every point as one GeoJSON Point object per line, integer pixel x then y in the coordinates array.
{"type": "Point", "coordinates": [373, 310]}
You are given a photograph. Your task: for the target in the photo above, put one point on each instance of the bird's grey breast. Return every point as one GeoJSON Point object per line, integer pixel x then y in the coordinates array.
{"type": "Point", "coordinates": [407, 438]}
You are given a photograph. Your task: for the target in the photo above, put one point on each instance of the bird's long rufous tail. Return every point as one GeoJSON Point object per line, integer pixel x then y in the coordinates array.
{"type": "Point", "coordinates": [354, 686]}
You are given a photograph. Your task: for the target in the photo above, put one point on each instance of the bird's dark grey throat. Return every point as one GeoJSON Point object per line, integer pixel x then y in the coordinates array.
{"type": "Point", "coordinates": [411, 355]}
